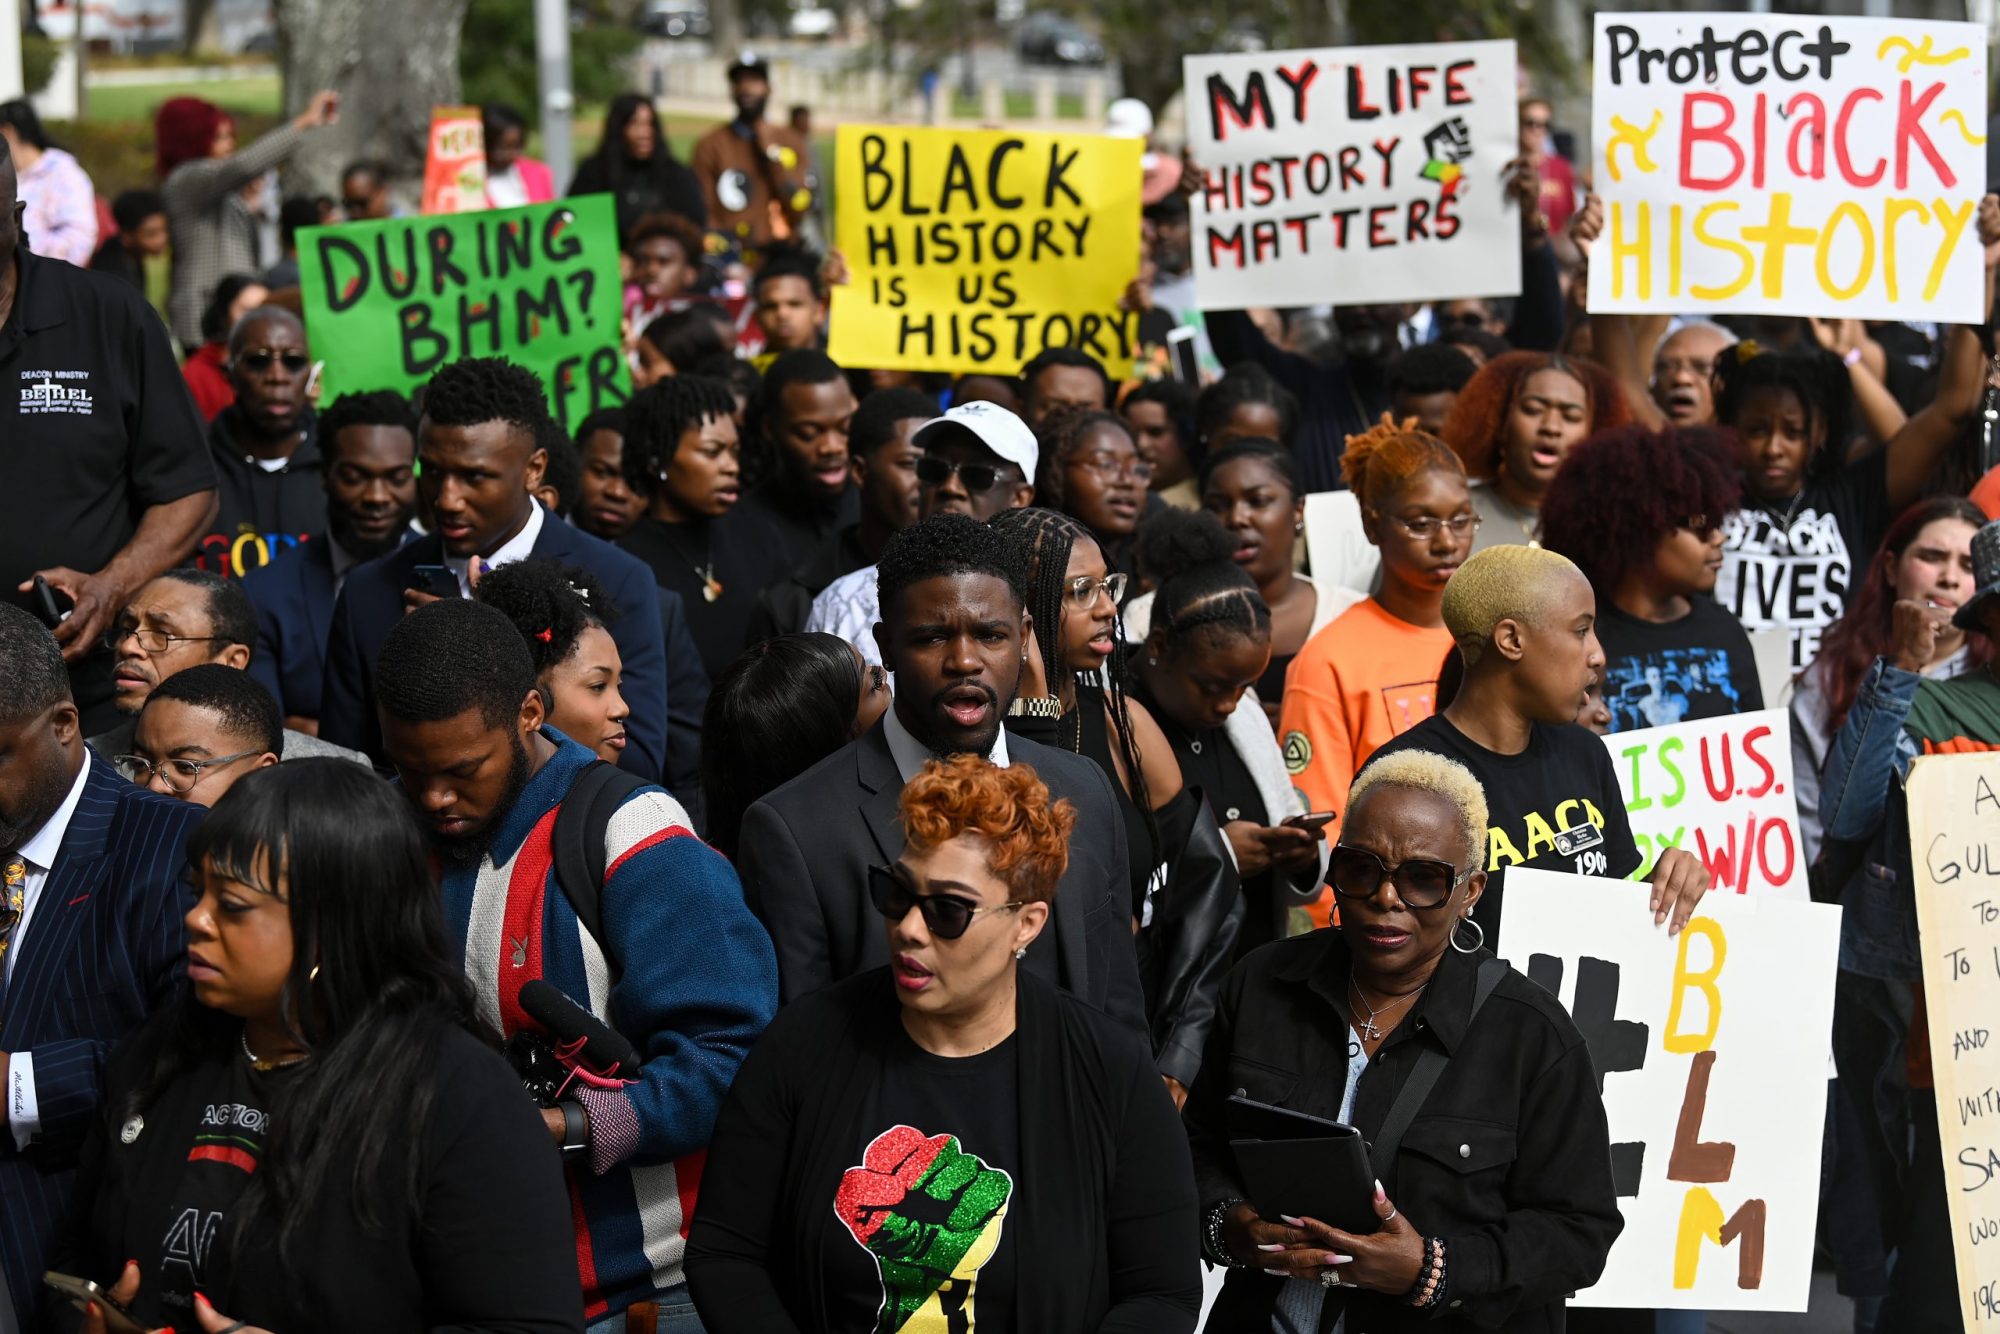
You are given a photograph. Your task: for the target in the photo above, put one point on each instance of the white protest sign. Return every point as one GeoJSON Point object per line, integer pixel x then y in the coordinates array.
{"type": "Point", "coordinates": [1353, 174]}
{"type": "Point", "coordinates": [1720, 788]}
{"type": "Point", "coordinates": [1786, 164]}
{"type": "Point", "coordinates": [1954, 804]}
{"type": "Point", "coordinates": [1711, 1048]}
{"type": "Point", "coordinates": [1341, 553]}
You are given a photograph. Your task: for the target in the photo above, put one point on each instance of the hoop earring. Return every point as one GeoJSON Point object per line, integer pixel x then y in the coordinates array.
{"type": "Point", "coordinates": [1476, 945]}
{"type": "Point", "coordinates": [313, 976]}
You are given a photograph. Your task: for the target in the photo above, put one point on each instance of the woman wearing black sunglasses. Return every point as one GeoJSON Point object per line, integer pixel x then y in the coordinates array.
{"type": "Point", "coordinates": [1496, 1200]}
{"type": "Point", "coordinates": [950, 1142]}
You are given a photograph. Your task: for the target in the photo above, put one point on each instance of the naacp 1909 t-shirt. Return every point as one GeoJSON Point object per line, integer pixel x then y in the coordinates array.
{"type": "Point", "coordinates": [1657, 674]}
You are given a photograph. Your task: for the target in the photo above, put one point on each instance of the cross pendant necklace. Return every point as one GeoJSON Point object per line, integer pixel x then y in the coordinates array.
{"type": "Point", "coordinates": [1367, 1028]}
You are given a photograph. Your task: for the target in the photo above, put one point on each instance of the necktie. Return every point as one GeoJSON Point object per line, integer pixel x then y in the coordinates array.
{"type": "Point", "coordinates": [13, 898]}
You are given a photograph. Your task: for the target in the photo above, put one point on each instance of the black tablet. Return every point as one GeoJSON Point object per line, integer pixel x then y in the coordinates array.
{"type": "Point", "coordinates": [1303, 1166]}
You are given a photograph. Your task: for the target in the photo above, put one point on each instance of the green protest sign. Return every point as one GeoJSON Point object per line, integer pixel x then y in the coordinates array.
{"type": "Point", "coordinates": [387, 303]}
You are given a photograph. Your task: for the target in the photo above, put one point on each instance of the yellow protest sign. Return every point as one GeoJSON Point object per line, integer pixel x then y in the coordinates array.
{"type": "Point", "coordinates": [972, 250]}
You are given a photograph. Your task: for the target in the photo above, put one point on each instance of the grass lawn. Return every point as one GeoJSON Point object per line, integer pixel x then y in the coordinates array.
{"type": "Point", "coordinates": [259, 95]}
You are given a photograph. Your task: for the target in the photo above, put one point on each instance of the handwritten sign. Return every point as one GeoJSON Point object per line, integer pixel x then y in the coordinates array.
{"type": "Point", "coordinates": [387, 303]}
{"type": "Point", "coordinates": [455, 165]}
{"type": "Point", "coordinates": [1722, 789]}
{"type": "Point", "coordinates": [972, 250]}
{"type": "Point", "coordinates": [1353, 174]}
{"type": "Point", "coordinates": [1786, 164]}
{"type": "Point", "coordinates": [1954, 803]}
{"type": "Point", "coordinates": [1711, 1053]}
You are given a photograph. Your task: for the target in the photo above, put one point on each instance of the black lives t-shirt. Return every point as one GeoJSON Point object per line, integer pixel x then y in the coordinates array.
{"type": "Point", "coordinates": [1795, 566]}
{"type": "Point", "coordinates": [1657, 674]}
{"type": "Point", "coordinates": [927, 1200]}
{"type": "Point", "coordinates": [1554, 807]}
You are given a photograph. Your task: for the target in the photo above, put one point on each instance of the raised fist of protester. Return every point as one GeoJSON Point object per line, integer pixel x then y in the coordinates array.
{"type": "Point", "coordinates": [833, 269]}
{"type": "Point", "coordinates": [97, 599]}
{"type": "Point", "coordinates": [322, 108]}
{"type": "Point", "coordinates": [1839, 337]}
{"type": "Point", "coordinates": [1387, 1260]}
{"type": "Point", "coordinates": [1679, 880]}
{"type": "Point", "coordinates": [1587, 223]}
{"type": "Point", "coordinates": [1914, 633]}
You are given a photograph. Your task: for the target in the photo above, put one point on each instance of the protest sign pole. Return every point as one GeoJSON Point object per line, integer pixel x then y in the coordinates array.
{"type": "Point", "coordinates": [552, 73]}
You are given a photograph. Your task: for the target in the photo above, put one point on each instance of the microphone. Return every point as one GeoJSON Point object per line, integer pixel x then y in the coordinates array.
{"type": "Point", "coordinates": [605, 1051]}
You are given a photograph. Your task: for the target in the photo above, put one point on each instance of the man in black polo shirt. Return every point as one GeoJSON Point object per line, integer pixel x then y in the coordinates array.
{"type": "Point", "coordinates": [106, 465]}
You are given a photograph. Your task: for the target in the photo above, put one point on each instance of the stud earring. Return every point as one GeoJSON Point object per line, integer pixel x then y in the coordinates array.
{"type": "Point", "coordinates": [1021, 953]}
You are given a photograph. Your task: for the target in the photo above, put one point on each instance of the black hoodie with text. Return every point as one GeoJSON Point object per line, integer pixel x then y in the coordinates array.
{"type": "Point", "coordinates": [264, 510]}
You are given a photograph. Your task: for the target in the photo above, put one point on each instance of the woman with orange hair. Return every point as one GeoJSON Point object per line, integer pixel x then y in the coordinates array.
{"type": "Point", "coordinates": [1371, 674]}
{"type": "Point", "coordinates": [950, 1142]}
{"type": "Point", "coordinates": [1514, 423]}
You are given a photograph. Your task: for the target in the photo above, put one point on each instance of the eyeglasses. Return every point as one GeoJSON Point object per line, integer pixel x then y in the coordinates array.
{"type": "Point", "coordinates": [1082, 590]}
{"type": "Point", "coordinates": [1700, 525]}
{"type": "Point", "coordinates": [977, 477]}
{"type": "Point", "coordinates": [179, 775]}
{"type": "Point", "coordinates": [1105, 465]}
{"type": "Point", "coordinates": [153, 641]}
{"type": "Point", "coordinates": [1527, 124]}
{"type": "Point", "coordinates": [261, 359]}
{"type": "Point", "coordinates": [1357, 873]}
{"type": "Point", "coordinates": [946, 915]}
{"type": "Point", "coordinates": [1426, 526]}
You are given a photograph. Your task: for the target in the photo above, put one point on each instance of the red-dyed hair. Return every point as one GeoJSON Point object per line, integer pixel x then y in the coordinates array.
{"type": "Point", "coordinates": [1478, 419]}
{"type": "Point", "coordinates": [1851, 644]}
{"type": "Point", "coordinates": [184, 130]}
{"type": "Point", "coordinates": [1380, 461]}
{"type": "Point", "coordinates": [1619, 493]}
{"type": "Point", "coordinates": [1026, 833]}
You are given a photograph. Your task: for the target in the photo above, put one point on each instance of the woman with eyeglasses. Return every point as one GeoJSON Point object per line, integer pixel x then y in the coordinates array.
{"type": "Point", "coordinates": [949, 1142]}
{"type": "Point", "coordinates": [1496, 1201]}
{"type": "Point", "coordinates": [1091, 470]}
{"type": "Point", "coordinates": [1371, 674]}
{"type": "Point", "coordinates": [322, 1097]}
{"type": "Point", "coordinates": [1640, 512]}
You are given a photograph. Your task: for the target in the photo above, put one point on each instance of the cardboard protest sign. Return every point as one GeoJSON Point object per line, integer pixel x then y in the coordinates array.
{"type": "Point", "coordinates": [1782, 164]}
{"type": "Point", "coordinates": [972, 250]}
{"type": "Point", "coordinates": [1954, 804]}
{"type": "Point", "coordinates": [455, 166]}
{"type": "Point", "coordinates": [1342, 555]}
{"type": "Point", "coordinates": [1720, 788]}
{"type": "Point", "coordinates": [1711, 1052]}
{"type": "Point", "coordinates": [1353, 174]}
{"type": "Point", "coordinates": [387, 303]}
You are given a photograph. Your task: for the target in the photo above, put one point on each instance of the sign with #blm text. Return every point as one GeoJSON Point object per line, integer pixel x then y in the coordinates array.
{"type": "Point", "coordinates": [387, 303]}
{"type": "Point", "coordinates": [1720, 788]}
{"type": "Point", "coordinates": [1711, 1052]}
{"type": "Point", "coordinates": [972, 250]}
{"type": "Point", "coordinates": [1787, 164]}
{"type": "Point", "coordinates": [1353, 174]}
{"type": "Point", "coordinates": [1954, 804]}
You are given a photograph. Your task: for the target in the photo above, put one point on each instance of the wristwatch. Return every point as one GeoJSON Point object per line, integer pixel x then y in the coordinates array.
{"type": "Point", "coordinates": [1039, 706]}
{"type": "Point", "coordinates": [576, 1130]}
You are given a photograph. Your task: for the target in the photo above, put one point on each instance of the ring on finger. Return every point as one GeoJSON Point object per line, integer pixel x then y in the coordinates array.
{"type": "Point", "coordinates": [1330, 1278]}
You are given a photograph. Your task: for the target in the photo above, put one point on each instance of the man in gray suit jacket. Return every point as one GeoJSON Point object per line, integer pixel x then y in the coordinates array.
{"type": "Point", "coordinates": [954, 630]}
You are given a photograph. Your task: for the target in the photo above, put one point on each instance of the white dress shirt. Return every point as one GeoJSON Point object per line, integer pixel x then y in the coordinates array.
{"type": "Point", "coordinates": [910, 753]}
{"type": "Point", "coordinates": [517, 547]}
{"type": "Point", "coordinates": [39, 852]}
{"type": "Point", "coordinates": [847, 607]}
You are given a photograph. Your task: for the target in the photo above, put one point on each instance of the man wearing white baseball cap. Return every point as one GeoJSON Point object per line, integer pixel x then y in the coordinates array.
{"type": "Point", "coordinates": [979, 459]}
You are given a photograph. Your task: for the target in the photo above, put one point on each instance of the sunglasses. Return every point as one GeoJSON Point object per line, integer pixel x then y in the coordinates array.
{"type": "Point", "coordinates": [977, 477]}
{"type": "Point", "coordinates": [1356, 873]}
{"type": "Point", "coordinates": [261, 360]}
{"type": "Point", "coordinates": [946, 915]}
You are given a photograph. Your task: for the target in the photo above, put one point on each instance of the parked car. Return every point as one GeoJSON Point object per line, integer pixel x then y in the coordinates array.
{"type": "Point", "coordinates": [674, 18]}
{"type": "Point", "coordinates": [1051, 39]}
{"type": "Point", "coordinates": [812, 21]}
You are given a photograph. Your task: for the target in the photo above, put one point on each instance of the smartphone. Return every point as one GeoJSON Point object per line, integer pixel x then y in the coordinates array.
{"type": "Point", "coordinates": [1180, 349]}
{"type": "Point", "coordinates": [52, 605]}
{"type": "Point", "coordinates": [437, 580]}
{"type": "Point", "coordinates": [82, 1292]}
{"type": "Point", "coordinates": [1312, 821]}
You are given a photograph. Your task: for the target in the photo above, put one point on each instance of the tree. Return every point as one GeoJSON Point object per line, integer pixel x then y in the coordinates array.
{"type": "Point", "coordinates": [391, 61]}
{"type": "Point", "coordinates": [497, 57]}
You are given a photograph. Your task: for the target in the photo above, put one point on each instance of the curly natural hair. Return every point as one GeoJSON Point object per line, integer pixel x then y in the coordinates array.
{"type": "Point", "coordinates": [550, 603]}
{"type": "Point", "coordinates": [1619, 493]}
{"type": "Point", "coordinates": [1382, 460]}
{"type": "Point", "coordinates": [1027, 834]}
{"type": "Point", "coordinates": [1060, 439]}
{"type": "Point", "coordinates": [1478, 420]}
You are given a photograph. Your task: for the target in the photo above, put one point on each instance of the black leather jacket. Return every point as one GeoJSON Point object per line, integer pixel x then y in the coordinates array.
{"type": "Point", "coordinates": [1185, 952]}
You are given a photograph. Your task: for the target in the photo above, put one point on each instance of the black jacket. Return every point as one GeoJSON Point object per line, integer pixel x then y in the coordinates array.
{"type": "Point", "coordinates": [1184, 952]}
{"type": "Point", "coordinates": [1105, 1208]}
{"type": "Point", "coordinates": [1509, 1159]}
{"type": "Point", "coordinates": [260, 514]}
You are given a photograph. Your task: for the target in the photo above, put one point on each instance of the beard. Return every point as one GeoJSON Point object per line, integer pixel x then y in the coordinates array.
{"type": "Point", "coordinates": [467, 849]}
{"type": "Point", "coordinates": [363, 548]}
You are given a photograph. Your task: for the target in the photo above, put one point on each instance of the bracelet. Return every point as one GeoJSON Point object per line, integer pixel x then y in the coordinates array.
{"type": "Point", "coordinates": [1037, 706]}
{"type": "Point", "coordinates": [1428, 1290]}
{"type": "Point", "coordinates": [1212, 1247]}
{"type": "Point", "coordinates": [1852, 356]}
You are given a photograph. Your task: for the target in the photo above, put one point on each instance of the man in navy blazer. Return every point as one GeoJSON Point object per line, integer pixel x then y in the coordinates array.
{"type": "Point", "coordinates": [481, 461]}
{"type": "Point", "coordinates": [92, 893]}
{"type": "Point", "coordinates": [368, 450]}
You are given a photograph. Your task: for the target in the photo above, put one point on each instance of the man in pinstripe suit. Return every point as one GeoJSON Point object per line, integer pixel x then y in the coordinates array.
{"type": "Point", "coordinates": [91, 899]}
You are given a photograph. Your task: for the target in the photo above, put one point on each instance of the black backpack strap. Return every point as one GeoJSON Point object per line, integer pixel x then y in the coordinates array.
{"type": "Point", "coordinates": [577, 841]}
{"type": "Point", "coordinates": [1430, 1065]}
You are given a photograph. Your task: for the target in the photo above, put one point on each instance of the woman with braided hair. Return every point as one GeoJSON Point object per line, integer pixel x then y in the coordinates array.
{"type": "Point", "coordinates": [562, 612]}
{"type": "Point", "coordinates": [1186, 904]}
{"type": "Point", "coordinates": [1371, 674]}
{"type": "Point", "coordinates": [1207, 641]}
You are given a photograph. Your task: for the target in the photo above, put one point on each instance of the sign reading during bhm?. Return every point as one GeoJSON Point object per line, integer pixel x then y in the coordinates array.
{"type": "Point", "coordinates": [1720, 788]}
{"type": "Point", "coordinates": [387, 303]}
{"type": "Point", "coordinates": [1353, 174]}
{"type": "Point", "coordinates": [972, 250]}
{"type": "Point", "coordinates": [1954, 804]}
{"type": "Point", "coordinates": [1711, 1052]}
{"type": "Point", "coordinates": [1786, 164]}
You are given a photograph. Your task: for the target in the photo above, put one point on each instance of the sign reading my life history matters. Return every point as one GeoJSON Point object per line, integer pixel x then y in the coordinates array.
{"type": "Point", "coordinates": [1720, 788]}
{"type": "Point", "coordinates": [387, 303]}
{"type": "Point", "coordinates": [1353, 174]}
{"type": "Point", "coordinates": [1711, 1053]}
{"type": "Point", "coordinates": [1787, 164]}
{"type": "Point", "coordinates": [1954, 803]}
{"type": "Point", "coordinates": [972, 250]}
